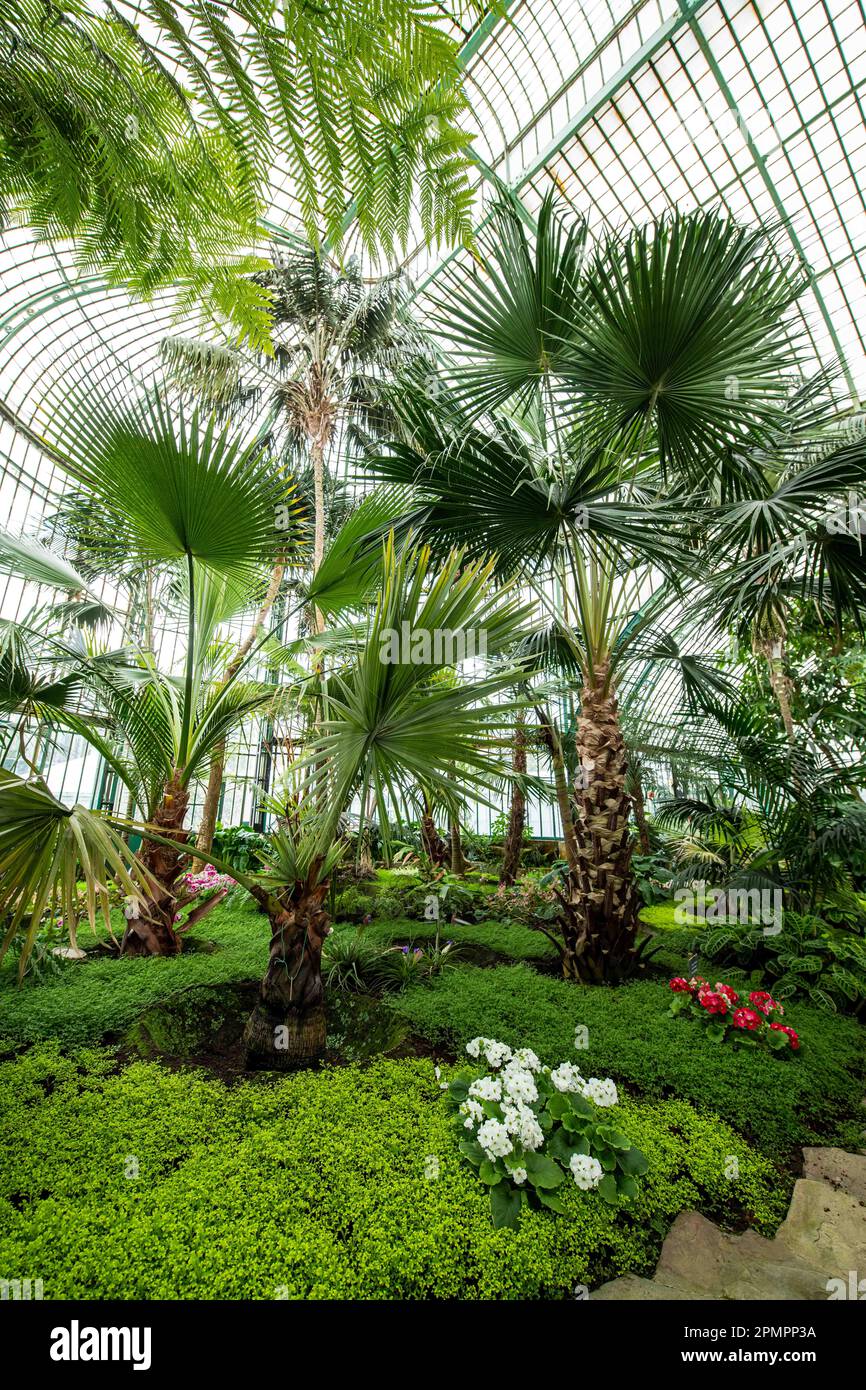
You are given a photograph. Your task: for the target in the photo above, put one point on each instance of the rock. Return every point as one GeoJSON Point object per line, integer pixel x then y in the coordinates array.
{"type": "Point", "coordinates": [822, 1239]}
{"type": "Point", "coordinates": [838, 1168]}
{"type": "Point", "coordinates": [69, 952]}
{"type": "Point", "coordinates": [825, 1227]}
{"type": "Point", "coordinates": [630, 1288]}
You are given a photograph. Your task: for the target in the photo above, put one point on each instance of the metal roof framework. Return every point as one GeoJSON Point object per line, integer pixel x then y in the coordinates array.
{"type": "Point", "coordinates": [628, 107]}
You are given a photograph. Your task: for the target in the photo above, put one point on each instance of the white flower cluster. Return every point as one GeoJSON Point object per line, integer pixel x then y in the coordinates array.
{"type": "Point", "coordinates": [521, 1121]}
{"type": "Point", "coordinates": [516, 1090]}
{"type": "Point", "coordinates": [494, 1140]}
{"type": "Point", "coordinates": [587, 1171]}
{"type": "Point", "coordinates": [495, 1053]}
{"type": "Point", "coordinates": [603, 1093]}
{"type": "Point", "coordinates": [525, 1057]}
{"type": "Point", "coordinates": [486, 1088]}
{"type": "Point", "coordinates": [473, 1112]}
{"type": "Point", "coordinates": [566, 1077]}
{"type": "Point", "coordinates": [518, 1084]}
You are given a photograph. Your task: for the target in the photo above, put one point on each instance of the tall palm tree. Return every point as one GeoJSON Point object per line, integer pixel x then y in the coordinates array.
{"type": "Point", "coordinates": [338, 339]}
{"type": "Point", "coordinates": [192, 497]}
{"type": "Point", "coordinates": [615, 367]}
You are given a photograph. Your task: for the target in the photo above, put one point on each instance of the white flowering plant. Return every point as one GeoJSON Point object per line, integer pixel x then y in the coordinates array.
{"type": "Point", "coordinates": [528, 1129]}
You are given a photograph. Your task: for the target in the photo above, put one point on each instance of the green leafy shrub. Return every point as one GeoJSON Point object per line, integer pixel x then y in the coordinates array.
{"type": "Point", "coordinates": [388, 907]}
{"type": "Point", "coordinates": [240, 846]}
{"type": "Point", "coordinates": [350, 962]}
{"type": "Point", "coordinates": [529, 1129]}
{"type": "Point", "coordinates": [353, 905]}
{"type": "Point", "coordinates": [149, 1183]}
{"type": "Point", "coordinates": [629, 1037]}
{"type": "Point", "coordinates": [805, 960]}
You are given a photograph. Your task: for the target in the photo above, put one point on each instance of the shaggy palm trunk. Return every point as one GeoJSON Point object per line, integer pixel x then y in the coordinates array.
{"type": "Point", "coordinates": [432, 843]}
{"type": "Point", "coordinates": [287, 1028]}
{"type": "Point", "coordinates": [639, 805]}
{"type": "Point", "coordinates": [458, 862]}
{"type": "Point", "coordinates": [517, 813]}
{"type": "Point", "coordinates": [152, 932]}
{"type": "Point", "coordinates": [601, 903]}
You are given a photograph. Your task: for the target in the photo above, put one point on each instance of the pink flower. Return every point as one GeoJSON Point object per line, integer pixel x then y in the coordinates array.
{"type": "Point", "coordinates": [764, 1001]}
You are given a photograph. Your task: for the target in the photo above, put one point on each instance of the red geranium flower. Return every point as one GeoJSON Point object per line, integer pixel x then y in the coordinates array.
{"type": "Point", "coordinates": [713, 1003]}
{"type": "Point", "coordinates": [679, 985]}
{"type": "Point", "coordinates": [746, 1018]}
{"type": "Point", "coordinates": [730, 994]}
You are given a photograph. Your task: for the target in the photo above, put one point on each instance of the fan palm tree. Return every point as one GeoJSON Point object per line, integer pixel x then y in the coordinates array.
{"type": "Point", "coordinates": [194, 498]}
{"type": "Point", "coordinates": [389, 727]}
{"type": "Point", "coordinates": [615, 367]}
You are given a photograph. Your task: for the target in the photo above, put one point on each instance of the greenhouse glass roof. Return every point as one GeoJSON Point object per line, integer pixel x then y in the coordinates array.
{"type": "Point", "coordinates": [757, 108]}
{"type": "Point", "coordinates": [754, 107]}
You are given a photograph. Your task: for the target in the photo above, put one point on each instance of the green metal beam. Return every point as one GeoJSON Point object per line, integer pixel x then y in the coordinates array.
{"type": "Point", "coordinates": [624, 75]}
{"type": "Point", "coordinates": [778, 203]}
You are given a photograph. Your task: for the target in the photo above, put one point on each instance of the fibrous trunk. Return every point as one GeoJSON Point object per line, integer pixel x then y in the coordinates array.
{"type": "Point", "coordinates": [458, 862]}
{"type": "Point", "coordinates": [517, 813]}
{"type": "Point", "coordinates": [287, 1027]}
{"type": "Point", "coordinates": [151, 932]}
{"type": "Point", "coordinates": [432, 843]}
{"type": "Point", "coordinates": [210, 809]}
{"type": "Point", "coordinates": [550, 736]}
{"type": "Point", "coordinates": [639, 805]}
{"type": "Point", "coordinates": [772, 647]}
{"type": "Point", "coordinates": [600, 903]}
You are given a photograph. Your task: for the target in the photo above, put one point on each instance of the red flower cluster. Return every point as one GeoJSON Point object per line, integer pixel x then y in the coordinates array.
{"type": "Point", "coordinates": [747, 1018]}
{"type": "Point", "coordinates": [765, 1002]}
{"type": "Point", "coordinates": [718, 1007]}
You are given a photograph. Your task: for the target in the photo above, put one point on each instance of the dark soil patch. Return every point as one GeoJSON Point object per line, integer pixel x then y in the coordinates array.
{"type": "Point", "coordinates": [202, 1027]}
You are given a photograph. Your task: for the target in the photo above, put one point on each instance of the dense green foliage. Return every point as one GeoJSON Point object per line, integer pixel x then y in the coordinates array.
{"type": "Point", "coordinates": [632, 1038]}
{"type": "Point", "coordinates": [327, 1170]}
{"type": "Point", "coordinates": [805, 960]}
{"type": "Point", "coordinates": [104, 996]}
